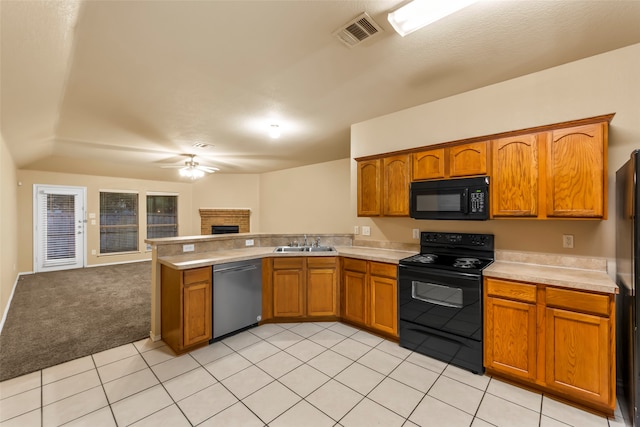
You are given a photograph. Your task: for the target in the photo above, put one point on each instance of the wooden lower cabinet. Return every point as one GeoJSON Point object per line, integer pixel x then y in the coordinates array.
{"type": "Point", "coordinates": [354, 291]}
{"type": "Point", "coordinates": [322, 287]}
{"type": "Point", "coordinates": [511, 347]}
{"type": "Point", "coordinates": [558, 340]}
{"type": "Point", "coordinates": [186, 307]}
{"type": "Point", "coordinates": [300, 287]}
{"type": "Point", "coordinates": [288, 287]}
{"type": "Point", "coordinates": [369, 295]}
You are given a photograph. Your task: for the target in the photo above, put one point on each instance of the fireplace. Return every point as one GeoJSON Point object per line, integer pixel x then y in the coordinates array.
{"type": "Point", "coordinates": [225, 229]}
{"type": "Point", "coordinates": [224, 217]}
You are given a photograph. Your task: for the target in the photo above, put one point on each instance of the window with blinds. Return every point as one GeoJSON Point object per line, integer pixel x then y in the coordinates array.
{"type": "Point", "coordinates": [162, 216]}
{"type": "Point", "coordinates": [58, 226]}
{"type": "Point", "coordinates": [118, 222]}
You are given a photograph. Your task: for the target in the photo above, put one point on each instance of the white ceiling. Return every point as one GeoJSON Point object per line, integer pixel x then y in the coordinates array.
{"type": "Point", "coordinates": [121, 88]}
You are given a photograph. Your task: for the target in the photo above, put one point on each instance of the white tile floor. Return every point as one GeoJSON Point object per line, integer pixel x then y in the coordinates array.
{"type": "Point", "coordinates": [308, 374]}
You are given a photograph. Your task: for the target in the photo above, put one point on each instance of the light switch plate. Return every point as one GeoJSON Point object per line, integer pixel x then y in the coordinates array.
{"type": "Point", "coordinates": [366, 230]}
{"type": "Point", "coordinates": [248, 242]}
{"type": "Point", "coordinates": [188, 248]}
{"type": "Point", "coordinates": [416, 233]}
{"type": "Point", "coordinates": [356, 229]}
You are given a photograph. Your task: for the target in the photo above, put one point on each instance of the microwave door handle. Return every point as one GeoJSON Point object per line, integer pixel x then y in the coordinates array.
{"type": "Point", "coordinates": [465, 201]}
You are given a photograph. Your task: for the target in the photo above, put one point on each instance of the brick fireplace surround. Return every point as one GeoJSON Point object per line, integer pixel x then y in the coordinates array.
{"type": "Point", "coordinates": [209, 217]}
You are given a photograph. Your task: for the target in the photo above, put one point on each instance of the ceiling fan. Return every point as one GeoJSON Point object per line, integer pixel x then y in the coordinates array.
{"type": "Point", "coordinates": [192, 169]}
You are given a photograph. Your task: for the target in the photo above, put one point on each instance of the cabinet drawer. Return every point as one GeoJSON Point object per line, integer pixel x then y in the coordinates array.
{"type": "Point", "coordinates": [384, 270]}
{"type": "Point", "coordinates": [321, 262]}
{"type": "Point", "coordinates": [288, 263]}
{"type": "Point", "coordinates": [578, 301]}
{"type": "Point", "coordinates": [511, 290]}
{"type": "Point", "coordinates": [196, 275]}
{"type": "Point", "coordinates": [355, 265]}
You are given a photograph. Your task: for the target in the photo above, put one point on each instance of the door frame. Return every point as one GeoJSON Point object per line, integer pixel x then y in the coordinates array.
{"type": "Point", "coordinates": [36, 242]}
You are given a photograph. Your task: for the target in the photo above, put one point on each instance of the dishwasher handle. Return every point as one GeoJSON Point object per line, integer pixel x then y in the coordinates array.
{"type": "Point", "coordinates": [234, 269]}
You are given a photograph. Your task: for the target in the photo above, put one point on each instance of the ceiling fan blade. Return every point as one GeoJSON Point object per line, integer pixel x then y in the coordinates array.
{"type": "Point", "coordinates": [208, 169]}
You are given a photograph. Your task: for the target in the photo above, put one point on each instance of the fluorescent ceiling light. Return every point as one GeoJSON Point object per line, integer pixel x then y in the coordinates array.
{"type": "Point", "coordinates": [419, 13]}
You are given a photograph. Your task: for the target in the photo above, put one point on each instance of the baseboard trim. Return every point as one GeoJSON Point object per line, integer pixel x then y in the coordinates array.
{"type": "Point", "coordinates": [154, 338]}
{"type": "Point", "coordinates": [6, 308]}
{"type": "Point", "coordinates": [116, 263]}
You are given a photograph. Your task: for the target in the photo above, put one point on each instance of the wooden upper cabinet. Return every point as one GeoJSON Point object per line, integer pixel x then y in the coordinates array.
{"type": "Point", "coordinates": [451, 162]}
{"type": "Point", "coordinates": [468, 159]}
{"type": "Point", "coordinates": [369, 187]}
{"type": "Point", "coordinates": [428, 165]}
{"type": "Point", "coordinates": [514, 179]}
{"type": "Point", "coordinates": [576, 171]}
{"type": "Point", "coordinates": [395, 200]}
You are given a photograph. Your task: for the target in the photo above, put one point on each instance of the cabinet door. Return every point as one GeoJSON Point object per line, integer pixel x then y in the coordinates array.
{"type": "Point", "coordinates": [369, 188]}
{"type": "Point", "coordinates": [576, 172]}
{"type": "Point", "coordinates": [510, 338]}
{"type": "Point", "coordinates": [355, 297]}
{"type": "Point", "coordinates": [197, 313]}
{"type": "Point", "coordinates": [322, 287]}
{"type": "Point", "coordinates": [579, 355]}
{"type": "Point", "coordinates": [514, 181]}
{"type": "Point", "coordinates": [395, 198]}
{"type": "Point", "coordinates": [468, 159]}
{"type": "Point", "coordinates": [428, 165]}
{"type": "Point", "coordinates": [288, 293]}
{"type": "Point", "coordinates": [384, 304]}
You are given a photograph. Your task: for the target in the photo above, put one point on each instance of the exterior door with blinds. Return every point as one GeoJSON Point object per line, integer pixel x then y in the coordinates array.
{"type": "Point", "coordinates": [59, 234]}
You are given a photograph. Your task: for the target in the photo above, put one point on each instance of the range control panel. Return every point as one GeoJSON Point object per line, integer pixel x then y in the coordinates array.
{"type": "Point", "coordinates": [477, 241]}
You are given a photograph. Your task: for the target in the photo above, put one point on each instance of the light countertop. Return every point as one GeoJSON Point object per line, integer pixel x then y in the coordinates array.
{"type": "Point", "coordinates": [568, 277]}
{"type": "Point", "coordinates": [204, 259]}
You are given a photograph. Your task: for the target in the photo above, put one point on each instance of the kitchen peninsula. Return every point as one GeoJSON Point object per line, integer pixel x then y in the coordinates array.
{"type": "Point", "coordinates": [209, 250]}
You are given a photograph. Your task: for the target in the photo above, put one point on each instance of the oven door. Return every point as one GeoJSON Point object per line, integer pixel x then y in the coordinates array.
{"type": "Point", "coordinates": [446, 301]}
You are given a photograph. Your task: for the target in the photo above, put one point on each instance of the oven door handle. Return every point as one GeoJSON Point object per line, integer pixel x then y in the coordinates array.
{"type": "Point", "coordinates": [422, 271]}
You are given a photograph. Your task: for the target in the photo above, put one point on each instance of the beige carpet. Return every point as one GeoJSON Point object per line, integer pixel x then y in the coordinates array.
{"type": "Point", "coordinates": [59, 316]}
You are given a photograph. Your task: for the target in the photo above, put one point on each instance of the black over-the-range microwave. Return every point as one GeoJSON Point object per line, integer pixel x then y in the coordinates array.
{"type": "Point", "coordinates": [457, 199]}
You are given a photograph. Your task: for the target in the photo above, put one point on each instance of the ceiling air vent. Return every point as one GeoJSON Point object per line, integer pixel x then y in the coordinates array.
{"type": "Point", "coordinates": [358, 30]}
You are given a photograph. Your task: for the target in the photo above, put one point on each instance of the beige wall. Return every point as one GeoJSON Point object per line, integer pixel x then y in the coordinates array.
{"type": "Point", "coordinates": [237, 191]}
{"type": "Point", "coordinates": [306, 200]}
{"type": "Point", "coordinates": [93, 185]}
{"type": "Point", "coordinates": [602, 84]}
{"type": "Point", "coordinates": [8, 220]}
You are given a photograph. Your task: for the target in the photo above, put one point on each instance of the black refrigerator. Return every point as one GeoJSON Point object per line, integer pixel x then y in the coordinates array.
{"type": "Point", "coordinates": [628, 279]}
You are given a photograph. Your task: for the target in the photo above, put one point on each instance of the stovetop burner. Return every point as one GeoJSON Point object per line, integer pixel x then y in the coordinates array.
{"type": "Point", "coordinates": [425, 258]}
{"type": "Point", "coordinates": [466, 262]}
{"type": "Point", "coordinates": [453, 251]}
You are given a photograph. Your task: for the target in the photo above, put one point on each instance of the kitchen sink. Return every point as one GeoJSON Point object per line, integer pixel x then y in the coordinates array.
{"type": "Point", "coordinates": [305, 249]}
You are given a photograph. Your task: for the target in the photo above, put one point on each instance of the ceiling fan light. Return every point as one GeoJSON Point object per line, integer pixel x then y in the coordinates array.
{"type": "Point", "coordinates": [419, 13]}
{"type": "Point", "coordinates": [191, 173]}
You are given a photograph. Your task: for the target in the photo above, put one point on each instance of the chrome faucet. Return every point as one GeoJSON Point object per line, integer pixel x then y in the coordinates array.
{"type": "Point", "coordinates": [317, 242]}
{"type": "Point", "coordinates": [305, 240]}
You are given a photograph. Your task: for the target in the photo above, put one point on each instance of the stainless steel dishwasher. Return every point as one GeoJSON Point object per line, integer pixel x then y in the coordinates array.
{"type": "Point", "coordinates": [237, 297]}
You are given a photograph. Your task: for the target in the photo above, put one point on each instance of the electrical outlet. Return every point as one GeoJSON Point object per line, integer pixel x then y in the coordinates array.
{"type": "Point", "coordinates": [567, 241]}
{"type": "Point", "coordinates": [356, 229]}
{"type": "Point", "coordinates": [93, 251]}
{"type": "Point", "coordinates": [188, 248]}
{"type": "Point", "coordinates": [248, 242]}
{"type": "Point", "coordinates": [416, 233]}
{"type": "Point", "coordinates": [366, 230]}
